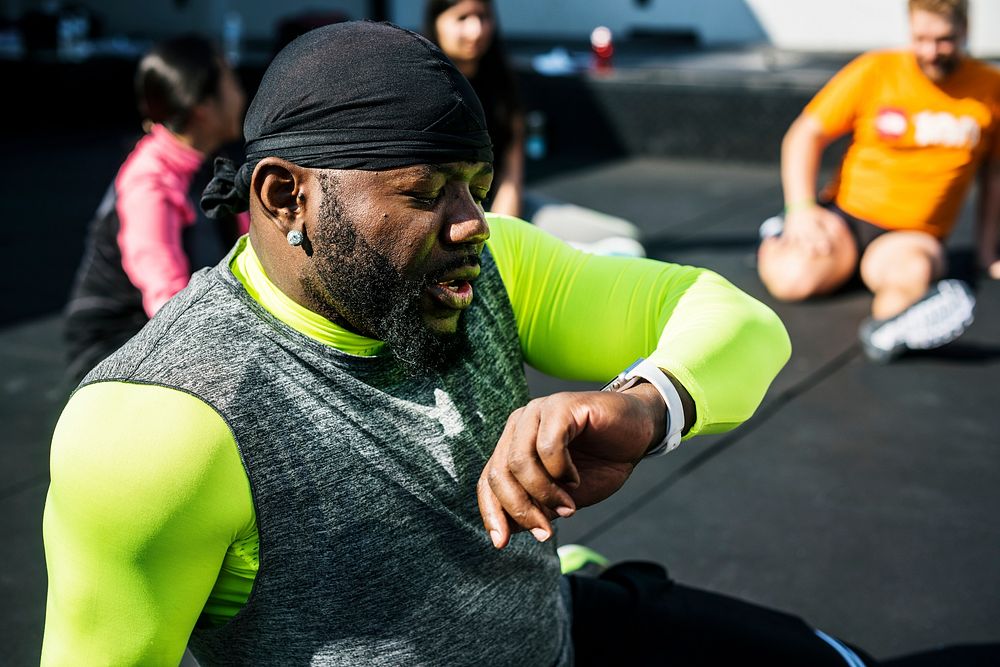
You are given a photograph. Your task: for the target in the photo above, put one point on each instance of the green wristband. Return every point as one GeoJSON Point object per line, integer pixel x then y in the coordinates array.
{"type": "Point", "coordinates": [798, 205]}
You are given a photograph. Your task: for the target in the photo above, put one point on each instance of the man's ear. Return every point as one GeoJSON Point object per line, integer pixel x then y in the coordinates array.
{"type": "Point", "coordinates": [278, 185]}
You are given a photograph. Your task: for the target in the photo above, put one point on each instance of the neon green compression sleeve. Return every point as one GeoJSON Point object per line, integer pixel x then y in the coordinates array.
{"type": "Point", "coordinates": [581, 316]}
{"type": "Point", "coordinates": [147, 495]}
{"type": "Point", "coordinates": [149, 524]}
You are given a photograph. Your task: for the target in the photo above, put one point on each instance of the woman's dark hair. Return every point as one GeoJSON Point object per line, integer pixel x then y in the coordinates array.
{"type": "Point", "coordinates": [493, 82]}
{"type": "Point", "coordinates": [176, 76]}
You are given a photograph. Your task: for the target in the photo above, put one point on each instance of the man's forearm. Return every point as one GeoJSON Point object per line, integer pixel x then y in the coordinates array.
{"type": "Point", "coordinates": [801, 152]}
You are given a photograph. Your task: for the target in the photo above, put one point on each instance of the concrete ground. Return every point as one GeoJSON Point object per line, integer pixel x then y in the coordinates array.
{"type": "Point", "coordinates": [861, 497]}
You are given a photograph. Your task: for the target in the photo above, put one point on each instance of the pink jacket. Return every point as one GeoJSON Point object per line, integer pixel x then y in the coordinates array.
{"type": "Point", "coordinates": [153, 208]}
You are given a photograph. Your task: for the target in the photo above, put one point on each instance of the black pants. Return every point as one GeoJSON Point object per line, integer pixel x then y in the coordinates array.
{"type": "Point", "coordinates": [863, 231]}
{"type": "Point", "coordinates": [633, 614]}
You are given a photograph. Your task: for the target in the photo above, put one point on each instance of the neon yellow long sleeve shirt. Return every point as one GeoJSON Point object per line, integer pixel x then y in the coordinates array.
{"type": "Point", "coordinates": [149, 524]}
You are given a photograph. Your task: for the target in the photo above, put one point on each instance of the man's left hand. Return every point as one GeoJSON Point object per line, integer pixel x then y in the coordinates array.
{"type": "Point", "coordinates": [565, 451]}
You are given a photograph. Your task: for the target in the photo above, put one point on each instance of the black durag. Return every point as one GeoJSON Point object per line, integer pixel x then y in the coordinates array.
{"type": "Point", "coordinates": [355, 95]}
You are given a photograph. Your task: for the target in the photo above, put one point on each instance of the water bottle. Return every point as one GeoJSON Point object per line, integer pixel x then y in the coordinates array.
{"type": "Point", "coordinates": [534, 138]}
{"type": "Point", "coordinates": [602, 46]}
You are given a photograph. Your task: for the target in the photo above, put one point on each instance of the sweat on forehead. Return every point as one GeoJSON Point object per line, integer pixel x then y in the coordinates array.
{"type": "Point", "coordinates": [365, 95]}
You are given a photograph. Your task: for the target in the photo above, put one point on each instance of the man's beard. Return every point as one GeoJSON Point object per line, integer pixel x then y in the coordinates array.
{"type": "Point", "coordinates": [363, 287]}
{"type": "Point", "coordinates": [940, 68]}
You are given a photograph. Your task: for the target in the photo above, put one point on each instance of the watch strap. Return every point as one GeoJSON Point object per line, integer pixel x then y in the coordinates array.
{"type": "Point", "coordinates": [646, 370]}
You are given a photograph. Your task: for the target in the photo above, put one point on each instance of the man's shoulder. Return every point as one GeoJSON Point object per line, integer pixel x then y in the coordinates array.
{"type": "Point", "coordinates": [115, 408]}
{"type": "Point", "coordinates": [859, 71]}
{"type": "Point", "coordinates": [987, 67]}
{"type": "Point", "coordinates": [191, 331]}
{"type": "Point", "coordinates": [883, 58]}
{"type": "Point", "coordinates": [507, 233]}
{"type": "Point", "coordinates": [986, 73]}
{"type": "Point", "coordinates": [138, 463]}
{"type": "Point", "coordinates": [504, 224]}
{"type": "Point", "coordinates": [137, 436]}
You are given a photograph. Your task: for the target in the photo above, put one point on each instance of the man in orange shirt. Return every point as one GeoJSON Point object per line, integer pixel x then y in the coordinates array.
{"type": "Point", "coordinates": [925, 122]}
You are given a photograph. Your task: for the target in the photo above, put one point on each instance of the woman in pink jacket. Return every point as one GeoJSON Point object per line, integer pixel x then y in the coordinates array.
{"type": "Point", "coordinates": [148, 236]}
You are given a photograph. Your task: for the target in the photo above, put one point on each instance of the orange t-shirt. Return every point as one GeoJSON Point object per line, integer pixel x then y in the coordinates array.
{"type": "Point", "coordinates": [917, 145]}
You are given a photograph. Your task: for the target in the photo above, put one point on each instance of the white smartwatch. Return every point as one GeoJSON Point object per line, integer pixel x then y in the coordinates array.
{"type": "Point", "coordinates": [648, 371]}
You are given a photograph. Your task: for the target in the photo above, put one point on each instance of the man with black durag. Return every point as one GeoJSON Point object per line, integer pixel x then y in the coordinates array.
{"type": "Point", "coordinates": [323, 450]}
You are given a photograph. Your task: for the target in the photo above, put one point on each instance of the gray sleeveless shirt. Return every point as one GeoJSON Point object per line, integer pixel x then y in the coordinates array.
{"type": "Point", "coordinates": [372, 551]}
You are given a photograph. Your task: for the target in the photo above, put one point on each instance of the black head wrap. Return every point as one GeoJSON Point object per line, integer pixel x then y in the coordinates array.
{"type": "Point", "coordinates": [356, 95]}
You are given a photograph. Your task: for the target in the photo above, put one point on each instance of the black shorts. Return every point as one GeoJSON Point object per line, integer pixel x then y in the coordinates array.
{"type": "Point", "coordinates": [863, 231]}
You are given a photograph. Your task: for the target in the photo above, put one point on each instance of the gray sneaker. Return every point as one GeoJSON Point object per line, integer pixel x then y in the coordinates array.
{"type": "Point", "coordinates": [941, 316]}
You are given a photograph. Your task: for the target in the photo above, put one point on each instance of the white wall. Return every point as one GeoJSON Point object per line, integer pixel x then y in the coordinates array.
{"type": "Point", "coordinates": [844, 25]}
{"type": "Point", "coordinates": [858, 25]}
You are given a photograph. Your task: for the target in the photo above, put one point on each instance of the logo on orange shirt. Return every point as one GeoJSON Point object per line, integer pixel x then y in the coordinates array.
{"type": "Point", "coordinates": [891, 123]}
{"type": "Point", "coordinates": [940, 128]}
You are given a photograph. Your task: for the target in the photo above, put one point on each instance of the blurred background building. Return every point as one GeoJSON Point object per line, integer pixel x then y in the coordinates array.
{"type": "Point", "coordinates": [702, 79]}
{"type": "Point", "coordinates": [799, 25]}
